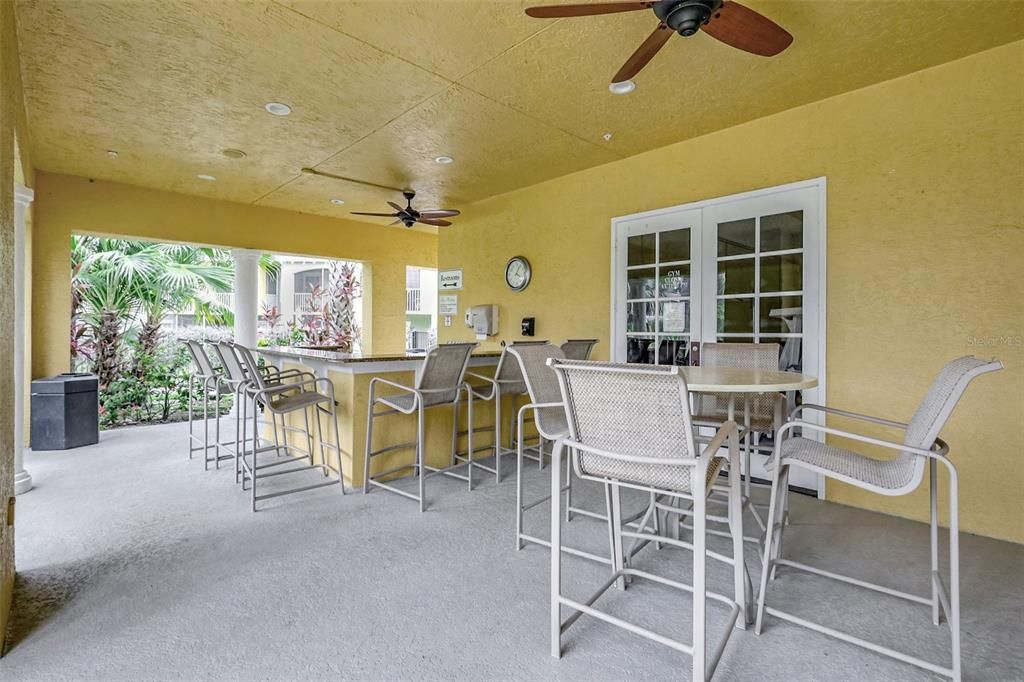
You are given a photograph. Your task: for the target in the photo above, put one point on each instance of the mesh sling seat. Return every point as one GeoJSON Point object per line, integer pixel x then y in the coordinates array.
{"type": "Point", "coordinates": [578, 349]}
{"type": "Point", "coordinates": [297, 393]}
{"type": "Point", "coordinates": [209, 381]}
{"type": "Point", "coordinates": [900, 475]}
{"type": "Point", "coordinates": [439, 383]}
{"type": "Point", "coordinates": [630, 427]}
{"type": "Point", "coordinates": [757, 415]}
{"type": "Point", "coordinates": [507, 381]}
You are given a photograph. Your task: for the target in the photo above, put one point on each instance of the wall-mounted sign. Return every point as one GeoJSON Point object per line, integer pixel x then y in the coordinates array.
{"type": "Point", "coordinates": [448, 280]}
{"type": "Point", "coordinates": [447, 305]}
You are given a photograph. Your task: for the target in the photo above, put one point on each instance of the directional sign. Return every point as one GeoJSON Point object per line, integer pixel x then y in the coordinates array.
{"type": "Point", "coordinates": [448, 280]}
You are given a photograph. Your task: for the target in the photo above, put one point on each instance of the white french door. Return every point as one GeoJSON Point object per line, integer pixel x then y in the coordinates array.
{"type": "Point", "coordinates": [747, 268]}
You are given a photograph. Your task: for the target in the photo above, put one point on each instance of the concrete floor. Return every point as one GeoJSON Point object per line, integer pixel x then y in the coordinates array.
{"type": "Point", "coordinates": [135, 564]}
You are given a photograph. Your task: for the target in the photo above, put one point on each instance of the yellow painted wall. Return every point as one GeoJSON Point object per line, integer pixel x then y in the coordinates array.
{"type": "Point", "coordinates": [925, 251]}
{"type": "Point", "coordinates": [15, 166]}
{"type": "Point", "coordinates": [66, 204]}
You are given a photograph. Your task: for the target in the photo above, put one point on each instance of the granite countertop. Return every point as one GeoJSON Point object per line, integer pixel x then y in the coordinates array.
{"type": "Point", "coordinates": [330, 354]}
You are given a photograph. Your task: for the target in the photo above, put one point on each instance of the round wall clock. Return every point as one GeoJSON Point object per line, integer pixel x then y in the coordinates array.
{"type": "Point", "coordinates": [518, 273]}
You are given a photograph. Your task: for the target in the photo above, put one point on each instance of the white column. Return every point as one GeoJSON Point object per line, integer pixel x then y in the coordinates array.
{"type": "Point", "coordinates": [246, 304]}
{"type": "Point", "coordinates": [22, 198]}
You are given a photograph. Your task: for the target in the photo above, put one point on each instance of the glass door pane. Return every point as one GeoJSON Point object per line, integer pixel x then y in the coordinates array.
{"type": "Point", "coordinates": [656, 314]}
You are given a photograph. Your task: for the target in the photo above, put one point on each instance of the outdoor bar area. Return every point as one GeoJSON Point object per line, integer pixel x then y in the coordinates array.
{"type": "Point", "coordinates": [471, 340]}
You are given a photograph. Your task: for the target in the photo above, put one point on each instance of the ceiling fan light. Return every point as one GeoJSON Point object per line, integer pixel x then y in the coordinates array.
{"type": "Point", "coordinates": [622, 87]}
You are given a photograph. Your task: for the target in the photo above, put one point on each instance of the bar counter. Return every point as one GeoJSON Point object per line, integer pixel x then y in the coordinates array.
{"type": "Point", "coordinates": [351, 375]}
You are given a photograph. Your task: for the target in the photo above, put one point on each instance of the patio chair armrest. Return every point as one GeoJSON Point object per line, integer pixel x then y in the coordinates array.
{"type": "Point", "coordinates": [636, 459]}
{"type": "Point", "coordinates": [846, 413]}
{"type": "Point", "coordinates": [718, 440]}
{"type": "Point", "coordinates": [491, 383]}
{"type": "Point", "coordinates": [939, 449]}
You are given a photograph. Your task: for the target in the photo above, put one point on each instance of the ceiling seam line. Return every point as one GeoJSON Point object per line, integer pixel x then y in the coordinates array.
{"type": "Point", "coordinates": [362, 41]}
{"type": "Point", "coordinates": [508, 49]}
{"type": "Point", "coordinates": [355, 142]}
{"type": "Point", "coordinates": [281, 186]}
{"type": "Point", "coordinates": [542, 121]}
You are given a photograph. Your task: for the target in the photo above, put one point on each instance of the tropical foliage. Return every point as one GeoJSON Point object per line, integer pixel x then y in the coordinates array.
{"type": "Point", "coordinates": [121, 291]}
{"type": "Point", "coordinates": [122, 288]}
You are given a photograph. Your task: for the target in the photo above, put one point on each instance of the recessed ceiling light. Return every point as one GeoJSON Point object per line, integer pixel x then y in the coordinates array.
{"type": "Point", "coordinates": [233, 153]}
{"type": "Point", "coordinates": [278, 109]}
{"type": "Point", "coordinates": [111, 153]}
{"type": "Point", "coordinates": [607, 137]}
{"type": "Point", "coordinates": [337, 202]}
{"type": "Point", "coordinates": [444, 160]}
{"type": "Point", "coordinates": [205, 176]}
{"type": "Point", "coordinates": [622, 87]}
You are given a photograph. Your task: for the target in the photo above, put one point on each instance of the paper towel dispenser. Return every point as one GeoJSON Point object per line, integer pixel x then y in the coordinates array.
{"type": "Point", "coordinates": [483, 319]}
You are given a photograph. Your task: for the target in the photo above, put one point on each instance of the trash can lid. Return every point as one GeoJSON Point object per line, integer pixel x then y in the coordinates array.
{"type": "Point", "coordinates": [71, 382]}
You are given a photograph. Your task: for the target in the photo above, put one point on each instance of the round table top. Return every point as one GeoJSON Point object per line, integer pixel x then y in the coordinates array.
{"type": "Point", "coordinates": [735, 380]}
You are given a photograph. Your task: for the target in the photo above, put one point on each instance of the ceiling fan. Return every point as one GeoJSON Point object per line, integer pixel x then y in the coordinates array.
{"type": "Point", "coordinates": [725, 20]}
{"type": "Point", "coordinates": [409, 216]}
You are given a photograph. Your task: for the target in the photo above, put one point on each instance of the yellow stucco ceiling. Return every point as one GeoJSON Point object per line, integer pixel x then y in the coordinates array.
{"type": "Point", "coordinates": [380, 88]}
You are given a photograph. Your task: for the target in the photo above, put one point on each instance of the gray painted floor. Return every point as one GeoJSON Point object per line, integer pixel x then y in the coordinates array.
{"type": "Point", "coordinates": [135, 564]}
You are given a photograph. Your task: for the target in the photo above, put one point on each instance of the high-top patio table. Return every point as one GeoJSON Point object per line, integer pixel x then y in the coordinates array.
{"type": "Point", "coordinates": [743, 382]}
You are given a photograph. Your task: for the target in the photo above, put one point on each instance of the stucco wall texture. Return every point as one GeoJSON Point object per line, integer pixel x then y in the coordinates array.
{"type": "Point", "coordinates": [13, 168]}
{"type": "Point", "coordinates": [925, 250]}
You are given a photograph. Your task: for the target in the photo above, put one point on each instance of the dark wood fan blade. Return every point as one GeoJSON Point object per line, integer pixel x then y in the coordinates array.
{"type": "Point", "coordinates": [558, 11]}
{"type": "Point", "coordinates": [382, 215]}
{"type": "Point", "coordinates": [439, 213]}
{"type": "Point", "coordinates": [434, 221]}
{"type": "Point", "coordinates": [745, 29]}
{"type": "Point", "coordinates": [395, 206]}
{"type": "Point", "coordinates": [644, 53]}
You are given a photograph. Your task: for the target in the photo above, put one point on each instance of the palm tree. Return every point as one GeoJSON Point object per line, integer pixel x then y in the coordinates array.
{"type": "Point", "coordinates": [117, 284]}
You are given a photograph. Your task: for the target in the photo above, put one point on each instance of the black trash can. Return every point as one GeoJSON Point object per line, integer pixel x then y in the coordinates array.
{"type": "Point", "coordinates": [65, 412]}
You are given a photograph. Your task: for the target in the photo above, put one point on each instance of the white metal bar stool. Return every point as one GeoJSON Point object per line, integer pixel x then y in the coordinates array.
{"type": "Point", "coordinates": [301, 393]}
{"type": "Point", "coordinates": [210, 381]}
{"type": "Point", "coordinates": [898, 476]}
{"type": "Point", "coordinates": [630, 427]}
{"type": "Point", "coordinates": [235, 379]}
{"type": "Point", "coordinates": [439, 383]}
{"type": "Point", "coordinates": [507, 381]}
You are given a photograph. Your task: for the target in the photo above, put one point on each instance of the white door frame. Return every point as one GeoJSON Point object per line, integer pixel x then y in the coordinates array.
{"type": "Point", "coordinates": [815, 266]}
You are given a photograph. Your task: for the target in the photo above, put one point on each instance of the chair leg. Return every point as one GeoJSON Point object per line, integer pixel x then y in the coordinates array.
{"type": "Point", "coordinates": [699, 671]}
{"type": "Point", "coordinates": [497, 437]}
{"type": "Point", "coordinates": [739, 576]}
{"type": "Point", "coordinates": [206, 425]}
{"type": "Point", "coordinates": [519, 483]}
{"type": "Point", "coordinates": [556, 549]}
{"type": "Point", "coordinates": [954, 569]}
{"type": "Point", "coordinates": [614, 504]}
{"type": "Point", "coordinates": [191, 394]}
{"type": "Point", "coordinates": [783, 512]}
{"type": "Point", "coordinates": [469, 437]}
{"type": "Point", "coordinates": [421, 455]}
{"type": "Point", "coordinates": [568, 493]}
{"type": "Point", "coordinates": [337, 443]}
{"type": "Point", "coordinates": [773, 513]}
{"type": "Point", "coordinates": [309, 437]}
{"type": "Point", "coordinates": [455, 434]}
{"type": "Point", "coordinates": [934, 494]}
{"type": "Point", "coordinates": [369, 442]}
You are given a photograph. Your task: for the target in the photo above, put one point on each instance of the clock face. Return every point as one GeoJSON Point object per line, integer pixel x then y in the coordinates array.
{"type": "Point", "coordinates": [517, 273]}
